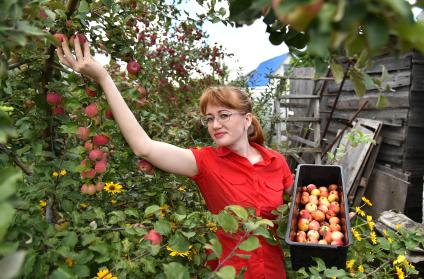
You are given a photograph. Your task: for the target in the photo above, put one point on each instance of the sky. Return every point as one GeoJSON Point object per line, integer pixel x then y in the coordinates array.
{"type": "Point", "coordinates": [249, 44]}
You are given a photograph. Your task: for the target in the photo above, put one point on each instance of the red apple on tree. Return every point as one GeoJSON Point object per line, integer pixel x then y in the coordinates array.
{"type": "Point", "coordinates": [133, 67]}
{"type": "Point", "coordinates": [58, 110]}
{"type": "Point", "coordinates": [145, 166]}
{"type": "Point", "coordinates": [53, 98]}
{"type": "Point", "coordinates": [90, 92]}
{"type": "Point", "coordinates": [298, 17]}
{"type": "Point", "coordinates": [91, 110]}
{"type": "Point", "coordinates": [83, 133]}
{"type": "Point", "coordinates": [154, 237]}
{"type": "Point", "coordinates": [60, 38]}
{"type": "Point", "coordinates": [100, 140]}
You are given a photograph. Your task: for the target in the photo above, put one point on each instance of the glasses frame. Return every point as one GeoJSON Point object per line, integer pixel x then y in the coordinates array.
{"type": "Point", "coordinates": [206, 123]}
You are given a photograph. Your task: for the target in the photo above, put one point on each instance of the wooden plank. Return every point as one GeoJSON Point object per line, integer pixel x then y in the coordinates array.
{"type": "Point", "coordinates": [301, 150]}
{"type": "Point", "coordinates": [361, 182]}
{"type": "Point", "coordinates": [391, 63]}
{"type": "Point", "coordinates": [302, 140]}
{"type": "Point", "coordinates": [387, 191]}
{"type": "Point", "coordinates": [288, 97]}
{"type": "Point", "coordinates": [417, 78]}
{"type": "Point", "coordinates": [355, 157]}
{"type": "Point", "coordinates": [398, 99]}
{"type": "Point", "coordinates": [299, 119]}
{"type": "Point", "coordinates": [393, 117]}
{"type": "Point", "coordinates": [395, 80]}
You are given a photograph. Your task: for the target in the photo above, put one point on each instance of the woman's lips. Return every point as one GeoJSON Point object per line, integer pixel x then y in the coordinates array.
{"type": "Point", "coordinates": [219, 134]}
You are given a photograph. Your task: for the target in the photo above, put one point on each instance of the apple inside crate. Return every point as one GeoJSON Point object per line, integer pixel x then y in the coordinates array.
{"type": "Point", "coordinates": [319, 224]}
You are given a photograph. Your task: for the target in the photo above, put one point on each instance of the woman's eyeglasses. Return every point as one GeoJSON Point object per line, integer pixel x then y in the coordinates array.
{"type": "Point", "coordinates": [221, 118]}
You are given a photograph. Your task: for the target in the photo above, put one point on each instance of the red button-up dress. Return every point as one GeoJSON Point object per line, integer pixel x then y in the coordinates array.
{"type": "Point", "coordinates": [227, 178]}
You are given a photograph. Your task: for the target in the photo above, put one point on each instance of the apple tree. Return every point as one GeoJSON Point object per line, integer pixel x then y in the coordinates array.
{"type": "Point", "coordinates": [86, 206]}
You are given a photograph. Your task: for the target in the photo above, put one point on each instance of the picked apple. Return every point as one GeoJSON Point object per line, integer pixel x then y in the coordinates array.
{"type": "Point", "coordinates": [310, 187]}
{"type": "Point", "coordinates": [315, 192]}
{"type": "Point", "coordinates": [301, 236]}
{"type": "Point", "coordinates": [310, 207]}
{"type": "Point", "coordinates": [318, 215]}
{"type": "Point", "coordinates": [313, 225]}
{"type": "Point", "coordinates": [332, 187]}
{"type": "Point", "coordinates": [303, 224]}
{"type": "Point", "coordinates": [335, 227]}
{"type": "Point", "coordinates": [313, 199]}
{"type": "Point", "coordinates": [305, 214]}
{"type": "Point", "coordinates": [313, 234]}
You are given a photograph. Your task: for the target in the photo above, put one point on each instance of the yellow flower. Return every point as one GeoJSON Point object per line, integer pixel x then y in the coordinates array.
{"type": "Point", "coordinates": [371, 225]}
{"type": "Point", "coordinates": [400, 273]}
{"type": "Point", "coordinates": [373, 237]}
{"type": "Point", "coordinates": [361, 269]}
{"type": "Point", "coordinates": [350, 263]}
{"type": "Point", "coordinates": [367, 201]}
{"type": "Point", "coordinates": [43, 203]}
{"type": "Point", "coordinates": [83, 205]}
{"type": "Point", "coordinates": [360, 211]}
{"type": "Point", "coordinates": [55, 174]}
{"type": "Point", "coordinates": [69, 262]}
{"type": "Point", "coordinates": [390, 240]}
{"type": "Point", "coordinates": [212, 226]}
{"type": "Point", "coordinates": [356, 234]}
{"type": "Point", "coordinates": [104, 273]}
{"type": "Point", "coordinates": [113, 201]}
{"type": "Point", "coordinates": [397, 226]}
{"type": "Point", "coordinates": [369, 218]}
{"type": "Point", "coordinates": [63, 172]}
{"type": "Point", "coordinates": [113, 188]}
{"type": "Point", "coordinates": [385, 232]}
{"type": "Point", "coordinates": [163, 210]}
{"type": "Point", "coordinates": [174, 253]}
{"type": "Point", "coordinates": [182, 189]}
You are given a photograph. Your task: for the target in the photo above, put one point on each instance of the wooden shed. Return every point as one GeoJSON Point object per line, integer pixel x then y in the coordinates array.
{"type": "Point", "coordinates": [396, 177]}
{"type": "Point", "coordinates": [401, 153]}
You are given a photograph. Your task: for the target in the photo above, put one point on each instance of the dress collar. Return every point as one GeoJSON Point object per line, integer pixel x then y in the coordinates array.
{"type": "Point", "coordinates": [267, 154]}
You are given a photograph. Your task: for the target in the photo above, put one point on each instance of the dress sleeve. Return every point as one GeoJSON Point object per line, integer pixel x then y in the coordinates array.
{"type": "Point", "coordinates": [199, 155]}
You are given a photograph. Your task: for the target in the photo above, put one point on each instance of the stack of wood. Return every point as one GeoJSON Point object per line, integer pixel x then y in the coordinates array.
{"type": "Point", "coordinates": [400, 161]}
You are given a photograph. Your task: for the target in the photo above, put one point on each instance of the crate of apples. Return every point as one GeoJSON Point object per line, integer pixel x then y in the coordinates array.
{"type": "Point", "coordinates": [319, 216]}
{"type": "Point", "coordinates": [318, 224]}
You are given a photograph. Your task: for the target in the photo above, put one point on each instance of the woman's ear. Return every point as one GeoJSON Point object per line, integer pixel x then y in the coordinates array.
{"type": "Point", "coordinates": [248, 118]}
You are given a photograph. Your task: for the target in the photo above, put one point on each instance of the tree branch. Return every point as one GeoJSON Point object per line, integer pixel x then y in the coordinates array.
{"type": "Point", "coordinates": [15, 159]}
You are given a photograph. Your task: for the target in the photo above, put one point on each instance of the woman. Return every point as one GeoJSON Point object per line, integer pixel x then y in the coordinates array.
{"type": "Point", "coordinates": [239, 170]}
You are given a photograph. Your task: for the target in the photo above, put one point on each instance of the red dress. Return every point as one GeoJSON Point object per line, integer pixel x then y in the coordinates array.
{"type": "Point", "coordinates": [227, 178]}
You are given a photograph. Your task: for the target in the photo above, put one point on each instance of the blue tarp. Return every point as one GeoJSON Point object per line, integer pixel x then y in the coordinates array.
{"type": "Point", "coordinates": [259, 76]}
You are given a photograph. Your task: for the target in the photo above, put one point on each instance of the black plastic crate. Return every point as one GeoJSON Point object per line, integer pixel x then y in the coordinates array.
{"type": "Point", "coordinates": [302, 253]}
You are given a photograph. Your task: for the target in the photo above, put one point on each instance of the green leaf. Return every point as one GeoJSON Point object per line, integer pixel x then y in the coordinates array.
{"type": "Point", "coordinates": [83, 7]}
{"type": "Point", "coordinates": [70, 239]}
{"type": "Point", "coordinates": [6, 217]}
{"type": "Point", "coordinates": [226, 272]}
{"type": "Point", "coordinates": [381, 101]}
{"type": "Point", "coordinates": [8, 179]}
{"type": "Point", "coordinates": [334, 272]}
{"type": "Point", "coordinates": [239, 211]}
{"type": "Point", "coordinates": [163, 227]}
{"type": "Point", "coordinates": [27, 28]}
{"type": "Point", "coordinates": [176, 271]}
{"type": "Point", "coordinates": [179, 243]}
{"type": "Point", "coordinates": [151, 210]}
{"type": "Point", "coordinates": [358, 81]}
{"type": "Point", "coordinates": [81, 270]}
{"type": "Point", "coordinates": [11, 264]}
{"type": "Point", "coordinates": [215, 246]}
{"type": "Point", "coordinates": [250, 244]}
{"type": "Point", "coordinates": [61, 274]}
{"type": "Point", "coordinates": [377, 32]}
{"type": "Point", "coordinates": [227, 222]}
{"type": "Point", "coordinates": [338, 72]}
{"type": "Point", "coordinates": [403, 8]}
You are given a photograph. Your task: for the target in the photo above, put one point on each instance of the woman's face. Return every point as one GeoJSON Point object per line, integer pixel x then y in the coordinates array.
{"type": "Point", "coordinates": [227, 126]}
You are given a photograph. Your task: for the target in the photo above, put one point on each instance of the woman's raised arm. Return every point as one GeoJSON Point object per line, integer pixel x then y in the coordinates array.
{"type": "Point", "coordinates": [165, 156]}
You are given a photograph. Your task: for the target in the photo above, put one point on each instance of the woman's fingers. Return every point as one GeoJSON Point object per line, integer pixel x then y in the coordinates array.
{"type": "Point", "coordinates": [61, 57]}
{"type": "Point", "coordinates": [78, 50]}
{"type": "Point", "coordinates": [68, 55]}
{"type": "Point", "coordinates": [86, 48]}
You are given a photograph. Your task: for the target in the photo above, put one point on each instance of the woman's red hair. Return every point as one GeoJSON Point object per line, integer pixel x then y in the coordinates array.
{"type": "Point", "coordinates": [233, 98]}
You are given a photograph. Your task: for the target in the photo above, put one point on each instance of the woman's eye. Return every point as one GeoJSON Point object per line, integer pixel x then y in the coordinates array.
{"type": "Point", "coordinates": [224, 116]}
{"type": "Point", "coordinates": [209, 119]}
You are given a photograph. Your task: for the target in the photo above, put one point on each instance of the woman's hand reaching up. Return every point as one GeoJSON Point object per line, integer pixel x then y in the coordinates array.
{"type": "Point", "coordinates": [82, 62]}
